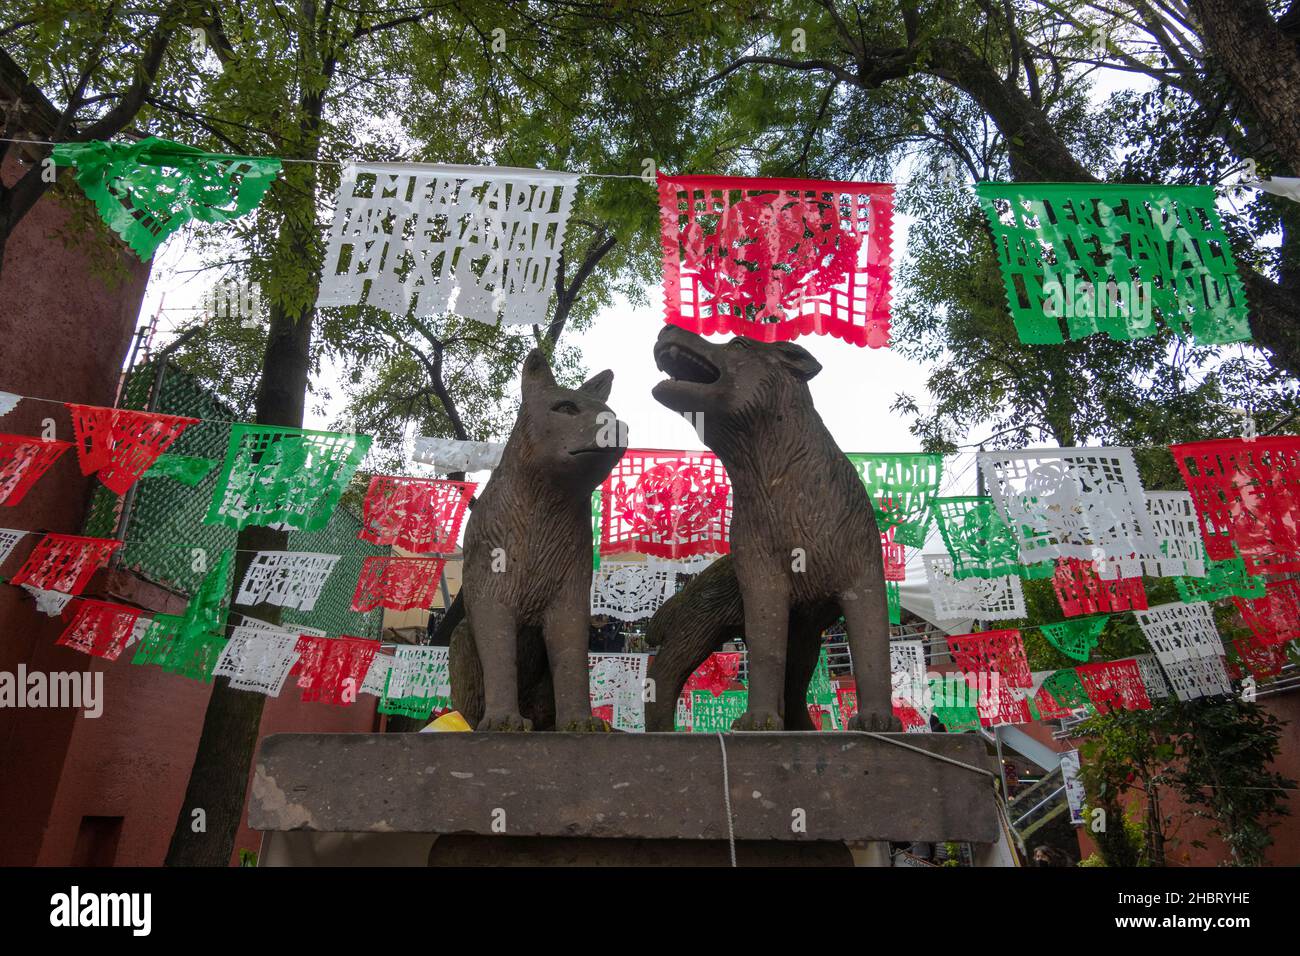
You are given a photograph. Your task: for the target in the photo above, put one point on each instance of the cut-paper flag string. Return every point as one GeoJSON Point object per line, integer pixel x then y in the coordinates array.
{"type": "Point", "coordinates": [1260, 661]}
{"type": "Point", "coordinates": [1084, 503]}
{"type": "Point", "coordinates": [630, 590]}
{"type": "Point", "coordinates": [907, 671]}
{"type": "Point", "coordinates": [913, 721]}
{"type": "Point", "coordinates": [293, 579]}
{"type": "Point", "coordinates": [1114, 685]}
{"type": "Point", "coordinates": [187, 469]}
{"type": "Point", "coordinates": [481, 242]}
{"type": "Point", "coordinates": [190, 644]}
{"type": "Point", "coordinates": [1153, 678]}
{"type": "Point", "coordinates": [8, 402]}
{"type": "Point", "coordinates": [715, 715]}
{"type": "Point", "coordinates": [331, 670]}
{"type": "Point", "coordinates": [9, 538]}
{"type": "Point", "coordinates": [617, 688]}
{"type": "Point", "coordinates": [65, 562]}
{"type": "Point", "coordinates": [1003, 705]}
{"type": "Point", "coordinates": [895, 557]}
{"type": "Point", "coordinates": [846, 699]}
{"type": "Point", "coordinates": [992, 652]}
{"type": "Point", "coordinates": [1062, 693]}
{"type": "Point", "coordinates": [120, 445]}
{"type": "Point", "coordinates": [986, 599]}
{"type": "Point", "coordinates": [148, 189]}
{"type": "Point", "coordinates": [418, 683]}
{"type": "Point", "coordinates": [980, 542]}
{"type": "Point", "coordinates": [955, 704]}
{"type": "Point", "coordinates": [774, 259]}
{"type": "Point", "coordinates": [1177, 632]}
{"type": "Point", "coordinates": [448, 454]}
{"type": "Point", "coordinates": [902, 488]}
{"type": "Point", "coordinates": [1176, 535]}
{"type": "Point", "coordinates": [376, 682]}
{"type": "Point", "coordinates": [22, 462]}
{"type": "Point", "coordinates": [1080, 591]}
{"type": "Point", "coordinates": [719, 670]}
{"type": "Point", "coordinates": [1196, 677]}
{"type": "Point", "coordinates": [49, 603]}
{"type": "Point", "coordinates": [421, 515]}
{"type": "Point", "coordinates": [820, 690]}
{"type": "Point", "coordinates": [1247, 496]}
{"type": "Point", "coordinates": [1076, 638]}
{"type": "Point", "coordinates": [100, 629]}
{"type": "Point", "coordinates": [1222, 579]}
{"type": "Point", "coordinates": [1275, 617]}
{"type": "Point", "coordinates": [258, 658]}
{"type": "Point", "coordinates": [399, 584]}
{"type": "Point", "coordinates": [193, 655]}
{"type": "Point", "coordinates": [284, 477]}
{"type": "Point", "coordinates": [1043, 706]}
{"type": "Point", "coordinates": [156, 644]}
{"type": "Point", "coordinates": [142, 625]}
{"type": "Point", "coordinates": [669, 504]}
{"type": "Point", "coordinates": [1083, 258]}
{"type": "Point", "coordinates": [200, 634]}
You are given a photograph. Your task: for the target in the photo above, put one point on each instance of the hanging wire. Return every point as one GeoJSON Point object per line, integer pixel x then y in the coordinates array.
{"type": "Point", "coordinates": [1225, 187]}
{"type": "Point", "coordinates": [315, 162]}
{"type": "Point", "coordinates": [949, 480]}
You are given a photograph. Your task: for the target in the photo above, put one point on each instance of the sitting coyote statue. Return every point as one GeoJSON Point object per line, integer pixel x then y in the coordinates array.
{"type": "Point", "coordinates": [527, 577]}
{"type": "Point", "coordinates": [802, 532]}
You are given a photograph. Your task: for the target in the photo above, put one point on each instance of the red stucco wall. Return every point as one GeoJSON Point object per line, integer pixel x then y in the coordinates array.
{"type": "Point", "coordinates": [1185, 829]}
{"type": "Point", "coordinates": [134, 761]}
{"type": "Point", "coordinates": [64, 333]}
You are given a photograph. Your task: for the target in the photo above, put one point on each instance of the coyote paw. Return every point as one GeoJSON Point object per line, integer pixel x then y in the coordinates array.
{"type": "Point", "coordinates": [504, 723]}
{"type": "Point", "coordinates": [586, 725]}
{"type": "Point", "coordinates": [758, 720]}
{"type": "Point", "coordinates": [876, 723]}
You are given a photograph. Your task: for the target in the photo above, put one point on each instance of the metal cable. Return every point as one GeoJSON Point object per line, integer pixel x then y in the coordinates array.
{"type": "Point", "coordinates": [926, 753]}
{"type": "Point", "coordinates": [726, 800]}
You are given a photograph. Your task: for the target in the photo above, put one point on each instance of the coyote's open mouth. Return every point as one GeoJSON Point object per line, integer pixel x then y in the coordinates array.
{"type": "Point", "coordinates": [683, 365]}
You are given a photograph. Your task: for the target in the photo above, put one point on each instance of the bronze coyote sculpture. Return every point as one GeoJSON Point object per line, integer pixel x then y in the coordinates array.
{"type": "Point", "coordinates": [527, 577]}
{"type": "Point", "coordinates": [803, 533]}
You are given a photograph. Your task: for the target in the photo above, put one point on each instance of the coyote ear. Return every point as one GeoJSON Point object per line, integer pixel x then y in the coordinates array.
{"type": "Point", "coordinates": [599, 385]}
{"type": "Point", "coordinates": [799, 360]}
{"type": "Point", "coordinates": [537, 371]}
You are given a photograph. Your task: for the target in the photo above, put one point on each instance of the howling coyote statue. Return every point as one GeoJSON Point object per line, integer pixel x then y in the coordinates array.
{"type": "Point", "coordinates": [527, 577]}
{"type": "Point", "coordinates": [802, 530]}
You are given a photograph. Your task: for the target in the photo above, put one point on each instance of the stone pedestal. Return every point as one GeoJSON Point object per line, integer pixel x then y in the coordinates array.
{"type": "Point", "coordinates": [616, 799]}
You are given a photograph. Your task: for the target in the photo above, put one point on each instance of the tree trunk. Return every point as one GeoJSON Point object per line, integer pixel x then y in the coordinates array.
{"type": "Point", "coordinates": [1263, 62]}
{"type": "Point", "coordinates": [1246, 42]}
{"type": "Point", "coordinates": [16, 201]}
{"type": "Point", "coordinates": [219, 779]}
{"type": "Point", "coordinates": [1036, 150]}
